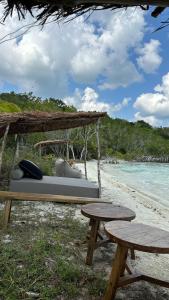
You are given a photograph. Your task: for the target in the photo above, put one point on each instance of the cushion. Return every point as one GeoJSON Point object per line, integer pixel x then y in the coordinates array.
{"type": "Point", "coordinates": [17, 173]}
{"type": "Point", "coordinates": [30, 169]}
{"type": "Point", "coordinates": [63, 169]}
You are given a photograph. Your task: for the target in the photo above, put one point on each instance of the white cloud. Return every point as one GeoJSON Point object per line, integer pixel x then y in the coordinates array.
{"type": "Point", "coordinates": [89, 100]}
{"type": "Point", "coordinates": [150, 119]}
{"type": "Point", "coordinates": [156, 104]}
{"type": "Point", "coordinates": [149, 59]}
{"type": "Point", "coordinates": [107, 52]}
{"type": "Point", "coordinates": [45, 61]}
{"type": "Point", "coordinates": [120, 105]}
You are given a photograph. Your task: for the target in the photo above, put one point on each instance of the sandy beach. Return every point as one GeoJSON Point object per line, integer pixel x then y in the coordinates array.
{"type": "Point", "coordinates": [147, 211]}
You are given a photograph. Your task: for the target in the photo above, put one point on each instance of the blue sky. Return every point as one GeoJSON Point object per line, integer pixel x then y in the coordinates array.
{"type": "Point", "coordinates": [111, 61]}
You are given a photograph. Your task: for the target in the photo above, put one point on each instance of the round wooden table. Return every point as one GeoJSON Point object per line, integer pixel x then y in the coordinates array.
{"type": "Point", "coordinates": [137, 237]}
{"type": "Point", "coordinates": [98, 212]}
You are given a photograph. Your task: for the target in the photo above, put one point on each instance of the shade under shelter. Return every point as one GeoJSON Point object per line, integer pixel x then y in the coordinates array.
{"type": "Point", "coordinates": [29, 122]}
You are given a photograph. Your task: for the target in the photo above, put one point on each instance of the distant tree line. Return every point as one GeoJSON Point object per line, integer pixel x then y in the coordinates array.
{"type": "Point", "coordinates": [119, 138]}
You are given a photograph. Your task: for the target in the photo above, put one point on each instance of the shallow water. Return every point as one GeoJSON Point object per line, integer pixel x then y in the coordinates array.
{"type": "Point", "coordinates": [151, 179]}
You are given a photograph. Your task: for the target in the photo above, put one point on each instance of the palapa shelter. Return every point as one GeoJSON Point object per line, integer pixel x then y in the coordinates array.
{"type": "Point", "coordinates": [53, 145]}
{"type": "Point", "coordinates": [50, 142]}
{"type": "Point", "coordinates": [29, 122]}
{"type": "Point", "coordinates": [43, 10]}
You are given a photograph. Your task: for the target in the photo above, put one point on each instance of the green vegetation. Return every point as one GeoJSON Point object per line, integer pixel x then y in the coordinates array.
{"type": "Point", "coordinates": [28, 102]}
{"type": "Point", "coordinates": [45, 260]}
{"type": "Point", "coordinates": [130, 140]}
{"type": "Point", "coordinates": [8, 107]}
{"type": "Point", "coordinates": [119, 138]}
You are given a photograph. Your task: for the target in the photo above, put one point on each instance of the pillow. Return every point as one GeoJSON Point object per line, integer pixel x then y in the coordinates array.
{"type": "Point", "coordinates": [63, 169]}
{"type": "Point", "coordinates": [30, 169]}
{"type": "Point", "coordinates": [70, 172]}
{"type": "Point", "coordinates": [17, 173]}
{"type": "Point", "coordinates": [59, 167]}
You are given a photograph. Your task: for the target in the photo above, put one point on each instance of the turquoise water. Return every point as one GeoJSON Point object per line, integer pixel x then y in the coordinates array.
{"type": "Point", "coordinates": [149, 178]}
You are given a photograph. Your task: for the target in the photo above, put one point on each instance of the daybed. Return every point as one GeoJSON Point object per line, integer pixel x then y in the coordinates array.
{"type": "Point", "coordinates": [57, 186]}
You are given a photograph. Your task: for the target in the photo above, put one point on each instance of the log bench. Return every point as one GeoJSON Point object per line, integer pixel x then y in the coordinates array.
{"type": "Point", "coordinates": [8, 197]}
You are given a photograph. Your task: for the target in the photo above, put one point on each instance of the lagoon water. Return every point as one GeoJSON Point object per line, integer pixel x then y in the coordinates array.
{"type": "Point", "coordinates": [151, 179]}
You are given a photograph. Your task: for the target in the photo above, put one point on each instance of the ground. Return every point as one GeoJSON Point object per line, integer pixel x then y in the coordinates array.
{"type": "Point", "coordinates": [43, 253]}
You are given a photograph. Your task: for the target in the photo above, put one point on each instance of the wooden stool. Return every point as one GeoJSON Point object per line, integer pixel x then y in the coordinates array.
{"type": "Point", "coordinates": [98, 212]}
{"type": "Point", "coordinates": [137, 237]}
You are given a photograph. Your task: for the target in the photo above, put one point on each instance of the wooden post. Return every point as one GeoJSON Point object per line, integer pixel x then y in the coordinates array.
{"type": "Point", "coordinates": [98, 156]}
{"type": "Point", "coordinates": [117, 268]}
{"type": "Point", "coordinates": [73, 154]}
{"type": "Point", "coordinates": [16, 152]}
{"type": "Point", "coordinates": [67, 144]}
{"type": "Point", "coordinates": [17, 139]}
{"type": "Point", "coordinates": [92, 240]}
{"type": "Point", "coordinates": [40, 151]}
{"type": "Point", "coordinates": [7, 213]}
{"type": "Point", "coordinates": [3, 145]}
{"type": "Point", "coordinates": [85, 151]}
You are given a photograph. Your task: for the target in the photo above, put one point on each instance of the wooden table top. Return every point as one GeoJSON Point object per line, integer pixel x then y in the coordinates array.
{"type": "Point", "coordinates": [138, 236]}
{"type": "Point", "coordinates": [107, 212]}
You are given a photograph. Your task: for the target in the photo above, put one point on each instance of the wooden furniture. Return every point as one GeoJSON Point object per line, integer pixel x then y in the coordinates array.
{"type": "Point", "coordinates": [137, 237]}
{"type": "Point", "coordinates": [102, 212]}
{"type": "Point", "coordinates": [9, 196]}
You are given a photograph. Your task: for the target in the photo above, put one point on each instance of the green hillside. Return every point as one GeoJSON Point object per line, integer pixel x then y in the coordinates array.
{"type": "Point", "coordinates": [119, 137]}
{"type": "Point", "coordinates": [8, 107]}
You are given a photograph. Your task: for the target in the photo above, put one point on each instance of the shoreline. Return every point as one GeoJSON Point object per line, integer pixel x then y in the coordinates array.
{"type": "Point", "coordinates": [147, 211]}
{"type": "Point", "coordinates": [121, 193]}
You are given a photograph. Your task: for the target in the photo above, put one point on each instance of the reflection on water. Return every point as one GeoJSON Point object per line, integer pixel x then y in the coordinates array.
{"type": "Point", "coordinates": [150, 178]}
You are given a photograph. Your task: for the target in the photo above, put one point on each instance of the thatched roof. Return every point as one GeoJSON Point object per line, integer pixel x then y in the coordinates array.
{"type": "Point", "coordinates": [50, 142]}
{"type": "Point", "coordinates": [58, 9]}
{"type": "Point", "coordinates": [42, 121]}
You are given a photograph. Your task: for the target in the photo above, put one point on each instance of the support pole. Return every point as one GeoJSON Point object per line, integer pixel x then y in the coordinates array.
{"type": "Point", "coordinates": [67, 145]}
{"type": "Point", "coordinates": [16, 153]}
{"type": "Point", "coordinates": [17, 139]}
{"type": "Point", "coordinates": [98, 155]}
{"type": "Point", "coordinates": [73, 154]}
{"type": "Point", "coordinates": [3, 145]}
{"type": "Point", "coordinates": [85, 151]}
{"type": "Point", "coordinates": [40, 151]}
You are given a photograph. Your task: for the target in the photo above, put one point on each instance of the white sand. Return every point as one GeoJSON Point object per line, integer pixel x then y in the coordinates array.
{"type": "Point", "coordinates": [147, 211]}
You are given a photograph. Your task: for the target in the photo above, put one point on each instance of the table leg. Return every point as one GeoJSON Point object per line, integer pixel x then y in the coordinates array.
{"type": "Point", "coordinates": [7, 213]}
{"type": "Point", "coordinates": [117, 269]}
{"type": "Point", "coordinates": [92, 240]}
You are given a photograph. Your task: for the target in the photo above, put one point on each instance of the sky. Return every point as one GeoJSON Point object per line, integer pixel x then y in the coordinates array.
{"type": "Point", "coordinates": [111, 61]}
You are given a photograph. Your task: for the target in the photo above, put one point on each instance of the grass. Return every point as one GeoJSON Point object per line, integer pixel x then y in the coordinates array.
{"type": "Point", "coordinates": [46, 261]}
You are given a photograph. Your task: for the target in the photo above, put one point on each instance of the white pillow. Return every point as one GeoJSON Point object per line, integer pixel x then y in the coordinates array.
{"type": "Point", "coordinates": [17, 173]}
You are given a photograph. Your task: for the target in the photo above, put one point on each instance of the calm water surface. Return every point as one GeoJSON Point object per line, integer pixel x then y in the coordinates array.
{"type": "Point", "coordinates": [149, 178]}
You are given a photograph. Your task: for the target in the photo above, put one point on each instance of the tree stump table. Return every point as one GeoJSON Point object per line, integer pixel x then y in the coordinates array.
{"type": "Point", "coordinates": [98, 212]}
{"type": "Point", "coordinates": [137, 237]}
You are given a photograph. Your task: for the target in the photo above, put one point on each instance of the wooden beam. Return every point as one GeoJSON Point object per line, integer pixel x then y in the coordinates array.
{"type": "Point", "coordinates": [98, 155]}
{"type": "Point", "coordinates": [127, 279]}
{"type": "Point", "coordinates": [164, 283]}
{"type": "Point", "coordinates": [162, 3]}
{"type": "Point", "coordinates": [5, 195]}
